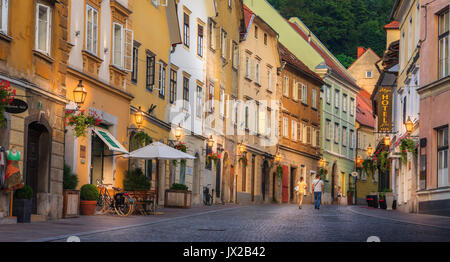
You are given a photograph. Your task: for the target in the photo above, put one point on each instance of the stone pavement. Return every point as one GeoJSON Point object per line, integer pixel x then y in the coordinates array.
{"type": "Point", "coordinates": [63, 228]}
{"type": "Point", "coordinates": [234, 223]}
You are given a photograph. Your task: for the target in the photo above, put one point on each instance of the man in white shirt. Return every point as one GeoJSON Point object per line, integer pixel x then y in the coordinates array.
{"type": "Point", "coordinates": [318, 188]}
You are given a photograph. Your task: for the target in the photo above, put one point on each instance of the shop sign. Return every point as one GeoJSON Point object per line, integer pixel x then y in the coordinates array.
{"type": "Point", "coordinates": [385, 110]}
{"type": "Point", "coordinates": [17, 106]}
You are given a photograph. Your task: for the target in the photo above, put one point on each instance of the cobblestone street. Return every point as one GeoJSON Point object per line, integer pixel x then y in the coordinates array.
{"type": "Point", "coordinates": [279, 223]}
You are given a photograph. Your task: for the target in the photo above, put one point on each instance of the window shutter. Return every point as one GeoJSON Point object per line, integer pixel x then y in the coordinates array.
{"type": "Point", "coordinates": [128, 52]}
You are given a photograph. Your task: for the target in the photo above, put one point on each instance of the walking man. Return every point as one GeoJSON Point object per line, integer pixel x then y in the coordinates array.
{"type": "Point", "coordinates": [301, 185]}
{"type": "Point", "coordinates": [318, 188]}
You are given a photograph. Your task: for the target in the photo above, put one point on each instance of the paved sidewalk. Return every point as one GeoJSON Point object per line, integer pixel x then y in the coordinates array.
{"type": "Point", "coordinates": [410, 218]}
{"type": "Point", "coordinates": [63, 228]}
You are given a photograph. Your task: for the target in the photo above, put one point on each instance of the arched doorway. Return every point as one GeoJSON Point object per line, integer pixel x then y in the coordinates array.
{"type": "Point", "coordinates": [226, 190]}
{"type": "Point", "coordinates": [334, 181]}
{"type": "Point", "coordinates": [196, 179]}
{"type": "Point", "coordinates": [265, 185]}
{"type": "Point", "coordinates": [37, 159]}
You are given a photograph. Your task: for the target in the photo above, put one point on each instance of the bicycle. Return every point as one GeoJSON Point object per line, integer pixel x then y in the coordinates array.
{"type": "Point", "coordinates": [208, 199]}
{"type": "Point", "coordinates": [121, 204]}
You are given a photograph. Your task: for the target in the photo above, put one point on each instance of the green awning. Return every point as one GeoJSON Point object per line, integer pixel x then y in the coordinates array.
{"type": "Point", "coordinates": [110, 141]}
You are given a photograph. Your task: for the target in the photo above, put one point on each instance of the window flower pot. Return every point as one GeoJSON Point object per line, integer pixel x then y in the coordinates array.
{"type": "Point", "coordinates": [87, 208]}
{"type": "Point", "coordinates": [22, 210]}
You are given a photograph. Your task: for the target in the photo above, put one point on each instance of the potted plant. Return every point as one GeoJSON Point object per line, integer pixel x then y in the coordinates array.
{"type": "Point", "coordinates": [88, 195]}
{"type": "Point", "coordinates": [389, 196]}
{"type": "Point", "coordinates": [178, 196]}
{"type": "Point", "coordinates": [243, 160]}
{"type": "Point", "coordinates": [6, 97]}
{"type": "Point", "coordinates": [406, 145]}
{"type": "Point", "coordinates": [214, 157]}
{"type": "Point", "coordinates": [71, 197]}
{"type": "Point", "coordinates": [22, 204]}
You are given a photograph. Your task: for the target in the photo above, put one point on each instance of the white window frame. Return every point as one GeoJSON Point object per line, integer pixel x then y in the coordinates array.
{"type": "Point", "coordinates": [314, 99]}
{"type": "Point", "coordinates": [327, 129]}
{"type": "Point", "coordinates": [4, 19]}
{"type": "Point", "coordinates": [295, 90]}
{"type": "Point", "coordinates": [369, 74]}
{"type": "Point", "coordinates": [269, 79]}
{"type": "Point", "coordinates": [114, 45]}
{"type": "Point", "coordinates": [199, 101]}
{"type": "Point", "coordinates": [344, 102]}
{"type": "Point", "coordinates": [286, 86]}
{"type": "Point", "coordinates": [352, 106]}
{"type": "Point", "coordinates": [257, 67]}
{"type": "Point", "coordinates": [48, 31]}
{"type": "Point", "coordinates": [336, 98]}
{"type": "Point", "coordinates": [294, 130]}
{"type": "Point", "coordinates": [328, 94]}
{"type": "Point", "coordinates": [286, 127]}
{"type": "Point", "coordinates": [304, 94]}
{"type": "Point", "coordinates": [94, 24]}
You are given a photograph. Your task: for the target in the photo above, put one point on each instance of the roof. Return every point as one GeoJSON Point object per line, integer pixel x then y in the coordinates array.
{"type": "Point", "coordinates": [392, 25]}
{"type": "Point", "coordinates": [328, 60]}
{"type": "Point", "coordinates": [365, 51]}
{"type": "Point", "coordinates": [364, 111]}
{"type": "Point", "coordinates": [249, 17]}
{"type": "Point", "coordinates": [292, 60]}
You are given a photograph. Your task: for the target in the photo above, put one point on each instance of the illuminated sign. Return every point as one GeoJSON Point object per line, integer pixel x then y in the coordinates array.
{"type": "Point", "coordinates": [385, 110]}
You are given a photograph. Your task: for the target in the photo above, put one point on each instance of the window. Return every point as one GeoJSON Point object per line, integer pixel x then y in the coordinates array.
{"type": "Point", "coordinates": [235, 55]}
{"type": "Point", "coordinates": [229, 3]}
{"type": "Point", "coordinates": [134, 73]}
{"type": "Point", "coordinates": [256, 32]}
{"type": "Point", "coordinates": [285, 127]}
{"type": "Point", "coordinates": [443, 44]}
{"type": "Point", "coordinates": [301, 131]}
{"type": "Point", "coordinates": [286, 86]}
{"type": "Point", "coordinates": [150, 72]}
{"type": "Point", "coordinates": [314, 138]}
{"type": "Point", "coordinates": [91, 29]}
{"type": "Point", "coordinates": [308, 135]}
{"type": "Point", "coordinates": [352, 139]}
{"type": "Point", "coordinates": [211, 97]}
{"type": "Point", "coordinates": [212, 34]}
{"type": "Point", "coordinates": [183, 173]}
{"type": "Point", "coordinates": [317, 138]}
{"type": "Point", "coordinates": [4, 16]}
{"type": "Point", "coordinates": [352, 106]}
{"type": "Point", "coordinates": [294, 130]}
{"type": "Point", "coordinates": [410, 37]}
{"type": "Point", "coordinates": [369, 74]}
{"type": "Point", "coordinates": [200, 41]}
{"type": "Point", "coordinates": [173, 86]}
{"type": "Point", "coordinates": [257, 127]}
{"type": "Point", "coordinates": [186, 32]}
{"type": "Point", "coordinates": [327, 129]}
{"type": "Point", "coordinates": [404, 109]}
{"type": "Point", "coordinates": [247, 116]}
{"type": "Point", "coordinates": [265, 39]}
{"type": "Point", "coordinates": [336, 133]}
{"type": "Point", "coordinates": [295, 91]}
{"type": "Point", "coordinates": [223, 38]}
{"type": "Point", "coordinates": [208, 164]}
{"type": "Point", "coordinates": [442, 164]}
{"type": "Point", "coordinates": [304, 94]}
{"type": "Point", "coordinates": [43, 28]}
{"type": "Point", "coordinates": [117, 45]}
{"type": "Point", "coordinates": [328, 94]}
{"type": "Point", "coordinates": [247, 67]}
{"type": "Point", "coordinates": [344, 136]}
{"type": "Point", "coordinates": [162, 80]}
{"type": "Point", "coordinates": [257, 72]}
{"type": "Point", "coordinates": [199, 101]}
{"type": "Point", "coordinates": [185, 93]}
{"type": "Point", "coordinates": [314, 99]}
{"type": "Point", "coordinates": [222, 102]}
{"type": "Point", "coordinates": [269, 122]}
{"type": "Point", "coordinates": [336, 98]}
{"type": "Point", "coordinates": [269, 79]}
{"type": "Point", "coordinates": [344, 103]}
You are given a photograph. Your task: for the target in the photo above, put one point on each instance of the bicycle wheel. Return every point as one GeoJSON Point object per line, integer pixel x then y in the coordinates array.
{"type": "Point", "coordinates": [124, 207]}
{"type": "Point", "coordinates": [100, 208]}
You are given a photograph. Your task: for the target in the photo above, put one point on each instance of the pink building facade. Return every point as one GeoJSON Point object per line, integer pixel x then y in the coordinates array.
{"type": "Point", "coordinates": [433, 187]}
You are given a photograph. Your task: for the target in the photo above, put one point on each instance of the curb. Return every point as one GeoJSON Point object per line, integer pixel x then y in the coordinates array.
{"type": "Point", "coordinates": [49, 239]}
{"type": "Point", "coordinates": [397, 220]}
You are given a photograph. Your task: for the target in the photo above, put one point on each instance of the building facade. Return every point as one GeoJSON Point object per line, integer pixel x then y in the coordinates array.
{"type": "Point", "coordinates": [300, 122]}
{"type": "Point", "coordinates": [433, 178]}
{"type": "Point", "coordinates": [255, 111]}
{"type": "Point", "coordinates": [33, 60]}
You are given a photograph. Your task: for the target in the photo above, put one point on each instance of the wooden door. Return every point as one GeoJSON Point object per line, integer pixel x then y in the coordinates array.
{"type": "Point", "coordinates": [285, 185]}
{"type": "Point", "coordinates": [33, 164]}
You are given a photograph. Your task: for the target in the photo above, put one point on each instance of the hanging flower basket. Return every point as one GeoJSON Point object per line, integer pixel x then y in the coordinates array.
{"type": "Point", "coordinates": [406, 145]}
{"type": "Point", "coordinates": [80, 121]}
{"type": "Point", "coordinates": [183, 148]}
{"type": "Point", "coordinates": [140, 140]}
{"type": "Point", "coordinates": [6, 97]}
{"type": "Point", "coordinates": [323, 172]}
{"type": "Point", "coordinates": [243, 160]}
{"type": "Point", "coordinates": [213, 156]}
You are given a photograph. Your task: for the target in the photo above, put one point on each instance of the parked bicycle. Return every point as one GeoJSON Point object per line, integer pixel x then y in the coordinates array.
{"type": "Point", "coordinates": [121, 203]}
{"type": "Point", "coordinates": [207, 197]}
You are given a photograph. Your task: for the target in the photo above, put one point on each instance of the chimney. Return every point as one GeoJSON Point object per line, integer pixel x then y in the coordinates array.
{"type": "Point", "coordinates": [361, 51]}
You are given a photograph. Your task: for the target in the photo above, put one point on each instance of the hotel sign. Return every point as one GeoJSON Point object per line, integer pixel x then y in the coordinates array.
{"type": "Point", "coordinates": [384, 105]}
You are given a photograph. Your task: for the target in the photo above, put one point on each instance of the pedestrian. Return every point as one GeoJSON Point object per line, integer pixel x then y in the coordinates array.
{"type": "Point", "coordinates": [339, 196]}
{"type": "Point", "coordinates": [318, 188]}
{"type": "Point", "coordinates": [301, 191]}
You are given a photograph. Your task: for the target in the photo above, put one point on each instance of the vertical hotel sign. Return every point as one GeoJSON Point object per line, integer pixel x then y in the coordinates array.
{"type": "Point", "coordinates": [385, 110]}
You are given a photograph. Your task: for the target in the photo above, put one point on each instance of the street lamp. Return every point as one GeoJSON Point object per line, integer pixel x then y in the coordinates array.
{"type": "Point", "coordinates": [369, 150]}
{"type": "Point", "coordinates": [359, 160]}
{"type": "Point", "coordinates": [139, 117]}
{"type": "Point", "coordinates": [178, 132]}
{"type": "Point", "coordinates": [210, 141]}
{"type": "Point", "coordinates": [409, 125]}
{"type": "Point", "coordinates": [242, 148]}
{"type": "Point", "coordinates": [277, 158]}
{"type": "Point", "coordinates": [322, 163]}
{"type": "Point", "coordinates": [79, 94]}
{"type": "Point", "coordinates": [387, 140]}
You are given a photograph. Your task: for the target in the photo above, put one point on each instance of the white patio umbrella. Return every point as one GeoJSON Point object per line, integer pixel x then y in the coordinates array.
{"type": "Point", "coordinates": [158, 151]}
